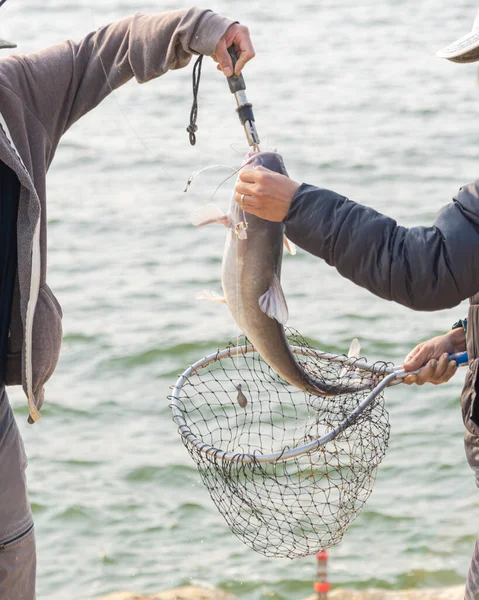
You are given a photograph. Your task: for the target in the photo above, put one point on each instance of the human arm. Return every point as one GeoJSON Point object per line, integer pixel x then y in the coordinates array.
{"type": "Point", "coordinates": [423, 268]}
{"type": "Point", "coordinates": [62, 83]}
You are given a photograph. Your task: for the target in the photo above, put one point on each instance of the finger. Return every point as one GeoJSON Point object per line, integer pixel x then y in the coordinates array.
{"type": "Point", "coordinates": [251, 175]}
{"type": "Point", "coordinates": [414, 352]}
{"type": "Point", "coordinates": [248, 205]}
{"type": "Point", "coordinates": [441, 368]}
{"type": "Point", "coordinates": [450, 372]}
{"type": "Point", "coordinates": [244, 200]}
{"type": "Point", "coordinates": [410, 379]}
{"type": "Point", "coordinates": [427, 375]}
{"type": "Point", "coordinates": [245, 188]}
{"type": "Point", "coordinates": [411, 363]}
{"type": "Point", "coordinates": [247, 53]}
{"type": "Point", "coordinates": [239, 36]}
{"type": "Point", "coordinates": [224, 58]}
{"type": "Point", "coordinates": [415, 359]}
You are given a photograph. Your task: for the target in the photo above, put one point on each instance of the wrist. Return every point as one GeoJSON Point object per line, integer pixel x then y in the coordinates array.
{"type": "Point", "coordinates": [296, 194]}
{"type": "Point", "coordinates": [293, 188]}
{"type": "Point", "coordinates": [209, 29]}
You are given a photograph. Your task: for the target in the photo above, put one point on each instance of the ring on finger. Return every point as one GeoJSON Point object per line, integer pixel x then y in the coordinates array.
{"type": "Point", "coordinates": [242, 200]}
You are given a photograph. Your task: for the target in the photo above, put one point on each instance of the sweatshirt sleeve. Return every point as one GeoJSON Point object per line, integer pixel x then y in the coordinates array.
{"type": "Point", "coordinates": [62, 83]}
{"type": "Point", "coordinates": [423, 268]}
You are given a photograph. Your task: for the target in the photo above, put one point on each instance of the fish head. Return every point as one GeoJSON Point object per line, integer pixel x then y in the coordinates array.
{"type": "Point", "coordinates": [269, 160]}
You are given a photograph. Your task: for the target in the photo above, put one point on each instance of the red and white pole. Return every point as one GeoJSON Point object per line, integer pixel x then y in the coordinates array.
{"type": "Point", "coordinates": [322, 585]}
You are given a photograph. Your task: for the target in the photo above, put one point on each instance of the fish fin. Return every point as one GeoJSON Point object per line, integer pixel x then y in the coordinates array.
{"type": "Point", "coordinates": [355, 349]}
{"type": "Point", "coordinates": [210, 296]}
{"type": "Point", "coordinates": [290, 247]}
{"type": "Point", "coordinates": [240, 230]}
{"type": "Point", "coordinates": [273, 302]}
{"type": "Point", "coordinates": [354, 352]}
{"type": "Point", "coordinates": [210, 213]}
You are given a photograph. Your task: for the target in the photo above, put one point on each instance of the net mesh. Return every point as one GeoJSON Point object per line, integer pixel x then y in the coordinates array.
{"type": "Point", "coordinates": [285, 508]}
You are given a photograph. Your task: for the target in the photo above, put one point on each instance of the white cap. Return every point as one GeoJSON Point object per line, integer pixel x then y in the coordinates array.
{"type": "Point", "coordinates": [465, 49]}
{"type": "Point", "coordinates": [5, 44]}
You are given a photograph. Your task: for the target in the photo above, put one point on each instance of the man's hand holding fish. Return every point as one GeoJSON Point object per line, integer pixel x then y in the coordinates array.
{"type": "Point", "coordinates": [264, 193]}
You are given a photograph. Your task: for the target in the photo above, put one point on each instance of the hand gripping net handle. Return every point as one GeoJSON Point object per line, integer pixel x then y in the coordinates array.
{"type": "Point", "coordinates": [289, 471]}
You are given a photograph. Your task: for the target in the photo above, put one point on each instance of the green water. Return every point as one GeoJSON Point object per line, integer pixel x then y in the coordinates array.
{"type": "Point", "coordinates": [354, 99]}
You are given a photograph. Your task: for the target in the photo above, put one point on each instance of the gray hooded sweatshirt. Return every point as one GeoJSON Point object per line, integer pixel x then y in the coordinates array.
{"type": "Point", "coordinates": [41, 96]}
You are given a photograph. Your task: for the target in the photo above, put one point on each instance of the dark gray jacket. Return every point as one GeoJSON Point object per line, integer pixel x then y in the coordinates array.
{"type": "Point", "coordinates": [424, 268]}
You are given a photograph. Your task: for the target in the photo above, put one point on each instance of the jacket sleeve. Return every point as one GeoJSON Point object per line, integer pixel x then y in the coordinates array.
{"type": "Point", "coordinates": [423, 268]}
{"type": "Point", "coordinates": [62, 83]}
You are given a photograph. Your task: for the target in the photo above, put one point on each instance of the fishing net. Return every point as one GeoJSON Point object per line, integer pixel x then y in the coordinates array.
{"type": "Point", "coordinates": [262, 448]}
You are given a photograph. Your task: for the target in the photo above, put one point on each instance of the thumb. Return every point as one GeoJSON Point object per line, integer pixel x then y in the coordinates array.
{"type": "Point", "coordinates": [416, 359]}
{"type": "Point", "coordinates": [250, 174]}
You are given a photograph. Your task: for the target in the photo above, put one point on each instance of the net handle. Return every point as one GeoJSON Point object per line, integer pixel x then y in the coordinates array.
{"type": "Point", "coordinates": [217, 453]}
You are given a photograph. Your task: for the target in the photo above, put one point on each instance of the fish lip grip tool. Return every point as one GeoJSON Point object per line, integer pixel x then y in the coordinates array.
{"type": "Point", "coordinates": [245, 109]}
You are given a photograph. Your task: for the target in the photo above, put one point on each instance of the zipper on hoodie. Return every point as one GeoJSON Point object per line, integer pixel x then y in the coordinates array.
{"type": "Point", "coordinates": [34, 284]}
{"type": "Point", "coordinates": [4, 545]}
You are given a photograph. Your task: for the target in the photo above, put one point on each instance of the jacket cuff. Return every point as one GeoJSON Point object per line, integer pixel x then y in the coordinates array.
{"type": "Point", "coordinates": [210, 28]}
{"type": "Point", "coordinates": [162, 42]}
{"type": "Point", "coordinates": [296, 199]}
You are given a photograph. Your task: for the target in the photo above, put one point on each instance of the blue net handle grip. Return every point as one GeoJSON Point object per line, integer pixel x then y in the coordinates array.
{"type": "Point", "coordinates": [461, 358]}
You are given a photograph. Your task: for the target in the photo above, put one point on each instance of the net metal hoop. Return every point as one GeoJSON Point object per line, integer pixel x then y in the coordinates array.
{"type": "Point", "coordinates": [389, 375]}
